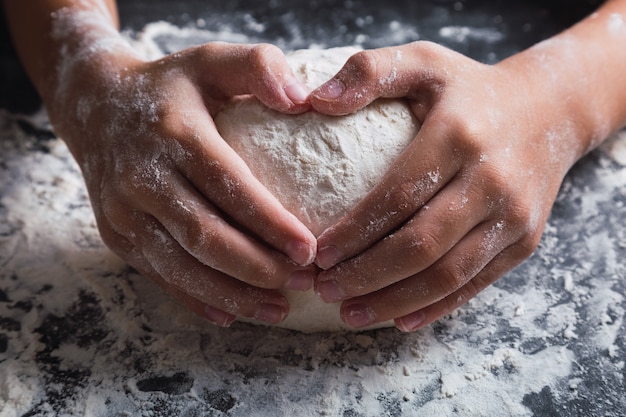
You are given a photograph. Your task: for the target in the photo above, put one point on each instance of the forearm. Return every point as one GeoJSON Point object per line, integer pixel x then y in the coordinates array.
{"type": "Point", "coordinates": [75, 57]}
{"type": "Point", "coordinates": [51, 34]}
{"type": "Point", "coordinates": [581, 75]}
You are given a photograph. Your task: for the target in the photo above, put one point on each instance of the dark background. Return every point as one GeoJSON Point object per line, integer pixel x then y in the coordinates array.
{"type": "Point", "coordinates": [334, 23]}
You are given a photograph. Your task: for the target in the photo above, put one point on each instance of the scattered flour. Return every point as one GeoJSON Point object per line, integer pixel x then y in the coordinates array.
{"type": "Point", "coordinates": [461, 34]}
{"type": "Point", "coordinates": [617, 24]}
{"type": "Point", "coordinates": [616, 148]}
{"type": "Point", "coordinates": [82, 334]}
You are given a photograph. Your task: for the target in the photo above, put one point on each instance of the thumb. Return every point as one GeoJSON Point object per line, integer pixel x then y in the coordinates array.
{"type": "Point", "coordinates": [260, 69]}
{"type": "Point", "coordinates": [393, 72]}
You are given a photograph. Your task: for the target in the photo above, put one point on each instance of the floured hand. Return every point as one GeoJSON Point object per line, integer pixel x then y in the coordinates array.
{"type": "Point", "coordinates": [169, 195]}
{"type": "Point", "coordinates": [468, 199]}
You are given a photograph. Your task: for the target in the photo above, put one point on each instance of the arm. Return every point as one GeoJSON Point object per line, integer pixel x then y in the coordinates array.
{"type": "Point", "coordinates": [168, 194]}
{"type": "Point", "coordinates": [469, 198]}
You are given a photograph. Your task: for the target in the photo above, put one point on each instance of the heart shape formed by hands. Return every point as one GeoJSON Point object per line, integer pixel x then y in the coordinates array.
{"type": "Point", "coordinates": [317, 166]}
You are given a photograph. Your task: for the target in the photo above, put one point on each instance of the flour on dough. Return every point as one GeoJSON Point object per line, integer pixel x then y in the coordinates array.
{"type": "Point", "coordinates": [317, 166]}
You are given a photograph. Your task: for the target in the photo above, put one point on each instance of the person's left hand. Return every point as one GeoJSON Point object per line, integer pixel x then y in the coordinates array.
{"type": "Point", "coordinates": [465, 202]}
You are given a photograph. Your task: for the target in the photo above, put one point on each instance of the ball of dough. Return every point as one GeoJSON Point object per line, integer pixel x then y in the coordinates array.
{"type": "Point", "coordinates": [317, 166]}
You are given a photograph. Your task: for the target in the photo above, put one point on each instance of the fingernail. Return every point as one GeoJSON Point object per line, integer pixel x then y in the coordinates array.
{"type": "Point", "coordinates": [411, 322]}
{"type": "Point", "coordinates": [218, 317]}
{"type": "Point", "coordinates": [330, 90]}
{"type": "Point", "coordinates": [301, 253]}
{"type": "Point", "coordinates": [301, 280]}
{"type": "Point", "coordinates": [327, 257]}
{"type": "Point", "coordinates": [358, 315]}
{"type": "Point", "coordinates": [270, 313]}
{"type": "Point", "coordinates": [330, 292]}
{"type": "Point", "coordinates": [296, 91]}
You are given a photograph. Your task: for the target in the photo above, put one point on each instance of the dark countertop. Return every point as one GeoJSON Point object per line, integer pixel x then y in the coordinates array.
{"type": "Point", "coordinates": [82, 334]}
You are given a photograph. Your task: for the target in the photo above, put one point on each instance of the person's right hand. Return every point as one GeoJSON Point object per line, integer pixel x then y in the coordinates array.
{"type": "Point", "coordinates": [169, 195]}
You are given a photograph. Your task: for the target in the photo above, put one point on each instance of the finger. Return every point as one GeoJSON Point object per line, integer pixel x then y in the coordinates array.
{"type": "Point", "coordinates": [451, 273]}
{"type": "Point", "coordinates": [261, 70]}
{"type": "Point", "coordinates": [413, 179]}
{"type": "Point", "coordinates": [125, 249]}
{"type": "Point", "coordinates": [400, 71]}
{"type": "Point", "coordinates": [206, 311]}
{"type": "Point", "coordinates": [421, 242]}
{"type": "Point", "coordinates": [177, 268]}
{"type": "Point", "coordinates": [223, 178]}
{"type": "Point", "coordinates": [199, 228]}
{"type": "Point", "coordinates": [496, 268]}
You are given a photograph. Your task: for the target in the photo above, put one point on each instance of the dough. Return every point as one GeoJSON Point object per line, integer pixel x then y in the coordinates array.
{"type": "Point", "coordinates": [317, 166]}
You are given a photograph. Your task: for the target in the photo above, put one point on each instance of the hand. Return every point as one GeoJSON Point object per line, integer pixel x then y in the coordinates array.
{"type": "Point", "coordinates": [465, 202]}
{"type": "Point", "coordinates": [169, 195]}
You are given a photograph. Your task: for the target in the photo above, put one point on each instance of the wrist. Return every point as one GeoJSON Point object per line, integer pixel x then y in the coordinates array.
{"type": "Point", "coordinates": [557, 108]}
{"type": "Point", "coordinates": [84, 44]}
{"type": "Point", "coordinates": [578, 77]}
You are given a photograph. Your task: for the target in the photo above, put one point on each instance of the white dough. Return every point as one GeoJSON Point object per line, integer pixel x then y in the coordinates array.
{"type": "Point", "coordinates": [317, 166]}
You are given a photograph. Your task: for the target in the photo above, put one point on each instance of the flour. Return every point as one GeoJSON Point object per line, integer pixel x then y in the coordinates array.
{"type": "Point", "coordinates": [317, 166]}
{"type": "Point", "coordinates": [97, 36]}
{"type": "Point", "coordinates": [17, 390]}
{"type": "Point", "coordinates": [616, 24]}
{"type": "Point", "coordinates": [616, 148]}
{"type": "Point", "coordinates": [461, 34]}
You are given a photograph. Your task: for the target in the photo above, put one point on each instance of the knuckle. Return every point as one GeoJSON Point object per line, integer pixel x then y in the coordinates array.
{"type": "Point", "coordinates": [205, 241]}
{"type": "Point", "coordinates": [131, 186]}
{"type": "Point", "coordinates": [520, 214]}
{"type": "Point", "coordinates": [266, 276]}
{"type": "Point", "coordinates": [206, 50]}
{"type": "Point", "coordinates": [203, 50]}
{"type": "Point", "coordinates": [526, 246]}
{"type": "Point", "coordinates": [112, 205]}
{"type": "Point", "coordinates": [424, 247]}
{"type": "Point", "coordinates": [197, 238]}
{"type": "Point", "coordinates": [364, 64]}
{"type": "Point", "coordinates": [404, 197]}
{"type": "Point", "coordinates": [459, 297]}
{"type": "Point", "coordinates": [112, 240]}
{"type": "Point", "coordinates": [170, 125]}
{"type": "Point", "coordinates": [451, 277]}
{"type": "Point", "coordinates": [261, 56]}
{"type": "Point", "coordinates": [428, 49]}
{"type": "Point", "coordinates": [470, 133]}
{"type": "Point", "coordinates": [112, 211]}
